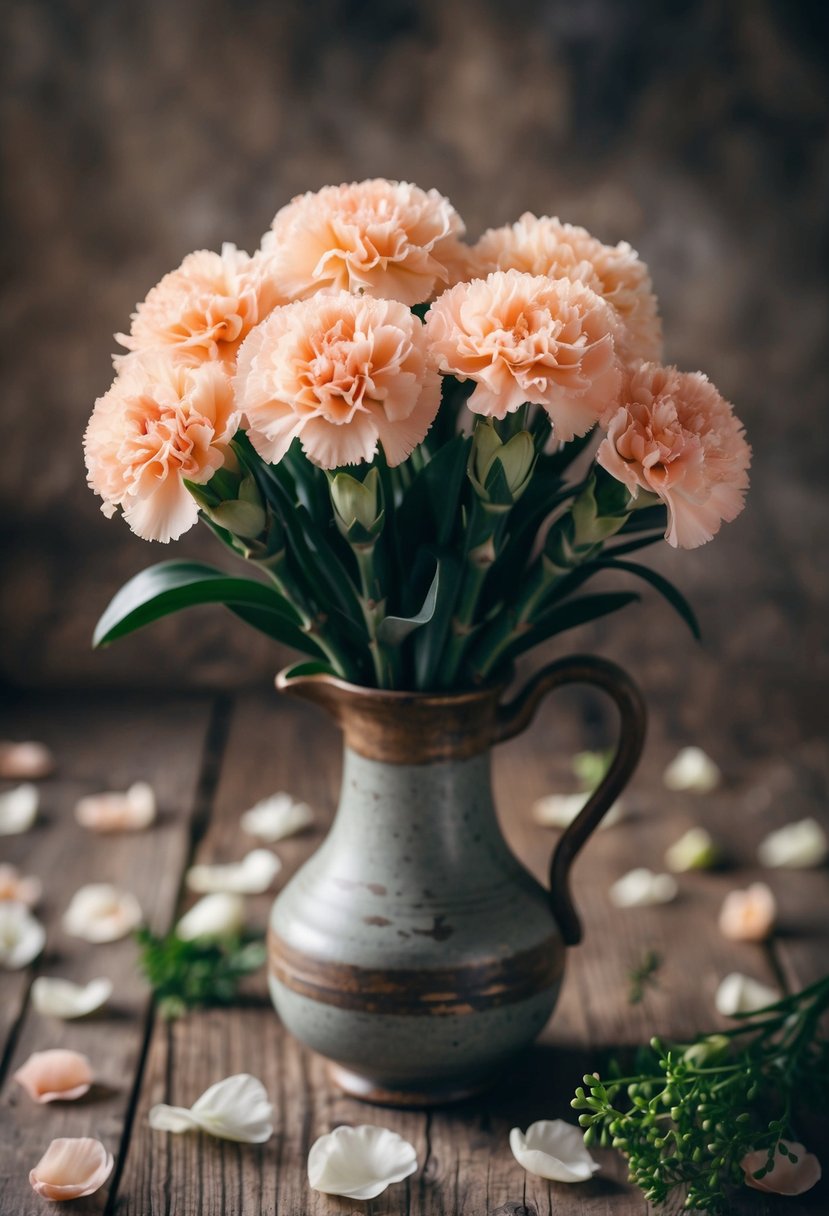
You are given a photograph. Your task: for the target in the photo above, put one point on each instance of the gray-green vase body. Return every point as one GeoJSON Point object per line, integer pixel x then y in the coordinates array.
{"type": "Point", "coordinates": [413, 950]}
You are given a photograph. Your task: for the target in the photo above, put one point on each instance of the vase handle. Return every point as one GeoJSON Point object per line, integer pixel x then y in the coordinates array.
{"type": "Point", "coordinates": [518, 713]}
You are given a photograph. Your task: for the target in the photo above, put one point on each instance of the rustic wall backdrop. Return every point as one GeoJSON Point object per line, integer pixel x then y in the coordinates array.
{"type": "Point", "coordinates": [134, 133]}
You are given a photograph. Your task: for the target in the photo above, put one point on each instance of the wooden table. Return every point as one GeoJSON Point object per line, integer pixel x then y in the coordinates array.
{"type": "Point", "coordinates": [209, 759]}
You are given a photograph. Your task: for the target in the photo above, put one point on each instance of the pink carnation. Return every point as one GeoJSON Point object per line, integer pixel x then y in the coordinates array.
{"type": "Point", "coordinates": [387, 239]}
{"type": "Point", "coordinates": [675, 436]}
{"type": "Point", "coordinates": [340, 372]}
{"type": "Point", "coordinates": [615, 272]}
{"type": "Point", "coordinates": [206, 308]}
{"type": "Point", "coordinates": [529, 338]}
{"type": "Point", "coordinates": [161, 422]}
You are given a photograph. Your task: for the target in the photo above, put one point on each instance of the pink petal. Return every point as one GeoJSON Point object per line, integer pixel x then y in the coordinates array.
{"type": "Point", "coordinates": [785, 1177]}
{"type": "Point", "coordinates": [57, 1074]}
{"type": "Point", "coordinates": [71, 1168]}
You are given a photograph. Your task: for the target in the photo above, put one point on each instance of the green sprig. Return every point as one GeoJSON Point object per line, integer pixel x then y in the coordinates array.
{"type": "Point", "coordinates": [186, 974]}
{"type": "Point", "coordinates": [693, 1111]}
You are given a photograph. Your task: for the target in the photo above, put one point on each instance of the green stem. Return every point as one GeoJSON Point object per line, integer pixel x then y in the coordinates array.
{"type": "Point", "coordinates": [373, 604]}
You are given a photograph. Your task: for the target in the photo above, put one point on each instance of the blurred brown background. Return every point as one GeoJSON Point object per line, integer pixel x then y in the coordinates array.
{"type": "Point", "coordinates": [134, 133]}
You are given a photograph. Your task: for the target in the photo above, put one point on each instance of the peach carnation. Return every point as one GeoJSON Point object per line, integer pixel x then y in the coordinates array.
{"type": "Point", "coordinates": [615, 272]}
{"type": "Point", "coordinates": [339, 372]}
{"type": "Point", "coordinates": [206, 308]}
{"type": "Point", "coordinates": [161, 422]}
{"type": "Point", "coordinates": [525, 337]}
{"type": "Point", "coordinates": [387, 239]}
{"type": "Point", "coordinates": [675, 436]}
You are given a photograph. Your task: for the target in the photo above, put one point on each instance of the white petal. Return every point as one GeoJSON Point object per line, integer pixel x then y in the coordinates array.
{"type": "Point", "coordinates": [640, 888]}
{"type": "Point", "coordinates": [100, 912]}
{"type": "Point", "coordinates": [559, 810]}
{"type": "Point", "coordinates": [359, 1162]}
{"type": "Point", "coordinates": [276, 817]}
{"type": "Point", "coordinates": [695, 850]}
{"type": "Point", "coordinates": [748, 916]}
{"type": "Point", "coordinates": [115, 812]}
{"type": "Point", "coordinates": [692, 769]}
{"type": "Point", "coordinates": [740, 994]}
{"type": "Point", "coordinates": [56, 998]}
{"type": "Point", "coordinates": [237, 1108]}
{"type": "Point", "coordinates": [251, 876]}
{"type": "Point", "coordinates": [164, 1118]}
{"type": "Point", "coordinates": [22, 937]}
{"type": "Point", "coordinates": [18, 889]}
{"type": "Point", "coordinates": [25, 761]}
{"type": "Point", "coordinates": [553, 1149]}
{"type": "Point", "coordinates": [217, 915]}
{"type": "Point", "coordinates": [798, 846]}
{"type": "Point", "coordinates": [18, 809]}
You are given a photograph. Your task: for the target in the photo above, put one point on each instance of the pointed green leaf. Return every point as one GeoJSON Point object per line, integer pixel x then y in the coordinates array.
{"type": "Point", "coordinates": [568, 616]}
{"type": "Point", "coordinates": [393, 630]}
{"type": "Point", "coordinates": [171, 586]}
{"type": "Point", "coordinates": [665, 588]}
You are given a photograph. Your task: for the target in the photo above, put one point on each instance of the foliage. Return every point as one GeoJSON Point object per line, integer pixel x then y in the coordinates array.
{"type": "Point", "coordinates": [690, 1113]}
{"type": "Point", "coordinates": [187, 974]}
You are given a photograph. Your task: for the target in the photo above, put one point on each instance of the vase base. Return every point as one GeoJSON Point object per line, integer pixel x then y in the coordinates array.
{"type": "Point", "coordinates": [367, 1089]}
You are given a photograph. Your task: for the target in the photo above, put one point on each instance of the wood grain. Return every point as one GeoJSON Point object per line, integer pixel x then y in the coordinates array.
{"type": "Point", "coordinates": [100, 744]}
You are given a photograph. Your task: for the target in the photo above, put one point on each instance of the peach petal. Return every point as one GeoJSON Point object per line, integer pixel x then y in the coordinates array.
{"type": "Point", "coordinates": [786, 1177]}
{"type": "Point", "coordinates": [59, 1074]}
{"type": "Point", "coordinates": [25, 761]}
{"type": "Point", "coordinates": [71, 1168]}
{"type": "Point", "coordinates": [15, 888]}
{"type": "Point", "coordinates": [115, 812]}
{"type": "Point", "coordinates": [748, 916]}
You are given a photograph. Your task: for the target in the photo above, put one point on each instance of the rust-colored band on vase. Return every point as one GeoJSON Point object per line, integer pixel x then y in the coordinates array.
{"type": "Point", "coordinates": [436, 991]}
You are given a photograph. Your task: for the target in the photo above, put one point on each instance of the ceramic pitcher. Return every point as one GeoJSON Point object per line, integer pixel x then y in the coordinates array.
{"type": "Point", "coordinates": [413, 950]}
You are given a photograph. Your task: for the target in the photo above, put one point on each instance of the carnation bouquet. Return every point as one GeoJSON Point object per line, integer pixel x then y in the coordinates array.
{"type": "Point", "coordinates": [423, 449]}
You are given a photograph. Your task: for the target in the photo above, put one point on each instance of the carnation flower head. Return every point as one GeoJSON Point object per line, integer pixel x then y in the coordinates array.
{"type": "Point", "coordinates": [547, 246]}
{"type": "Point", "coordinates": [388, 239]}
{"type": "Point", "coordinates": [525, 337]}
{"type": "Point", "coordinates": [341, 373]}
{"type": "Point", "coordinates": [206, 308]}
{"type": "Point", "coordinates": [674, 435]}
{"type": "Point", "coordinates": [162, 421]}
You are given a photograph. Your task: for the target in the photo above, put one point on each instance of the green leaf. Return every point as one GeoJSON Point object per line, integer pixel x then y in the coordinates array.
{"type": "Point", "coordinates": [674, 597]}
{"type": "Point", "coordinates": [644, 519]}
{"type": "Point", "coordinates": [393, 630]}
{"type": "Point", "coordinates": [312, 668]}
{"type": "Point", "coordinates": [568, 616]}
{"type": "Point", "coordinates": [429, 510]}
{"type": "Point", "coordinates": [429, 643]}
{"type": "Point", "coordinates": [171, 586]}
{"type": "Point", "coordinates": [276, 628]}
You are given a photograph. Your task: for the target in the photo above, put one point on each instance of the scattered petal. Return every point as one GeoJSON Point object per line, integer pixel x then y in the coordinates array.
{"type": "Point", "coordinates": [251, 876]}
{"type": "Point", "coordinates": [641, 887]}
{"type": "Point", "coordinates": [113, 812]}
{"type": "Point", "coordinates": [786, 1177]}
{"type": "Point", "coordinates": [797, 846]}
{"type": "Point", "coordinates": [22, 937]}
{"type": "Point", "coordinates": [57, 998]}
{"type": "Point", "coordinates": [49, 1076]}
{"type": "Point", "coordinates": [692, 769]}
{"type": "Point", "coordinates": [559, 810]}
{"type": "Point", "coordinates": [19, 890]}
{"type": "Point", "coordinates": [237, 1108]}
{"type": "Point", "coordinates": [740, 994]}
{"type": "Point", "coordinates": [25, 761]}
{"type": "Point", "coordinates": [18, 809]}
{"type": "Point", "coordinates": [276, 817]}
{"type": "Point", "coordinates": [695, 850]}
{"type": "Point", "coordinates": [219, 915]}
{"type": "Point", "coordinates": [70, 1169]}
{"type": "Point", "coordinates": [359, 1162]}
{"type": "Point", "coordinates": [101, 913]}
{"type": "Point", "coordinates": [748, 916]}
{"type": "Point", "coordinates": [553, 1149]}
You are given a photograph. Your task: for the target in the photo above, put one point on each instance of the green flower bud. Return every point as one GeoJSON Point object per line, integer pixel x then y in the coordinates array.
{"type": "Point", "coordinates": [358, 505]}
{"type": "Point", "coordinates": [500, 472]}
{"type": "Point", "coordinates": [245, 519]}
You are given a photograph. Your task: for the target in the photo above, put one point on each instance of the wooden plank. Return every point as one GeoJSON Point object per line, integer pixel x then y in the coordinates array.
{"type": "Point", "coordinates": [100, 743]}
{"type": "Point", "coordinates": [466, 1165]}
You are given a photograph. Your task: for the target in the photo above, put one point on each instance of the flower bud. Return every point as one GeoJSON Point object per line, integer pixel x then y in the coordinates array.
{"type": "Point", "coordinates": [358, 505]}
{"type": "Point", "coordinates": [500, 472]}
